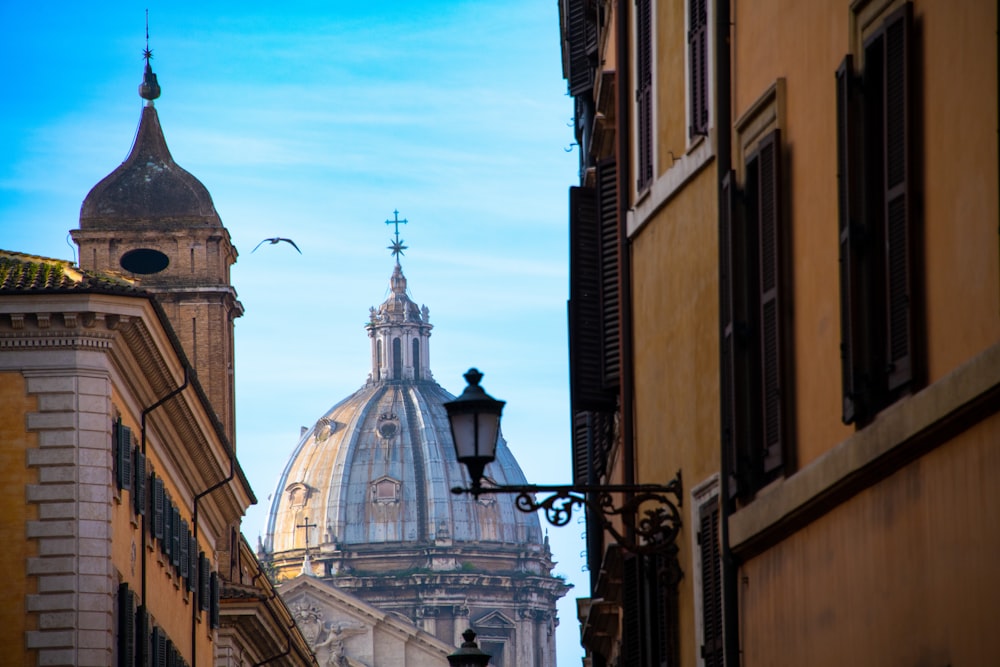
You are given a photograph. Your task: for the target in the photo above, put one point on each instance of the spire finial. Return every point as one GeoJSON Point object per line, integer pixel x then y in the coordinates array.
{"type": "Point", "coordinates": [397, 246]}
{"type": "Point", "coordinates": [149, 89]}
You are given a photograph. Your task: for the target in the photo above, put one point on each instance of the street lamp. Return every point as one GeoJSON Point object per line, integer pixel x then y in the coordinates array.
{"type": "Point", "coordinates": [650, 511]}
{"type": "Point", "coordinates": [469, 654]}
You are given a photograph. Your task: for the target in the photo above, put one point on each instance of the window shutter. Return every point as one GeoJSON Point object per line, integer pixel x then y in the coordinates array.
{"type": "Point", "coordinates": [582, 448]}
{"type": "Point", "coordinates": [698, 63]}
{"type": "Point", "coordinates": [159, 652]}
{"type": "Point", "coordinates": [126, 626]}
{"type": "Point", "coordinates": [711, 584]}
{"type": "Point", "coordinates": [214, 609]}
{"type": "Point", "coordinates": [850, 235]}
{"type": "Point", "coordinates": [631, 650]}
{"type": "Point", "coordinates": [192, 580]}
{"type": "Point", "coordinates": [769, 221]}
{"type": "Point", "coordinates": [123, 456]}
{"type": "Point", "coordinates": [139, 484]}
{"type": "Point", "coordinates": [183, 556]}
{"type": "Point", "coordinates": [175, 536]}
{"type": "Point", "coordinates": [607, 207]}
{"type": "Point", "coordinates": [204, 590]}
{"type": "Point", "coordinates": [731, 431]}
{"type": "Point", "coordinates": [898, 208]}
{"type": "Point", "coordinates": [158, 505]}
{"type": "Point", "coordinates": [166, 544]}
{"type": "Point", "coordinates": [580, 75]}
{"type": "Point", "coordinates": [644, 92]}
{"type": "Point", "coordinates": [585, 345]}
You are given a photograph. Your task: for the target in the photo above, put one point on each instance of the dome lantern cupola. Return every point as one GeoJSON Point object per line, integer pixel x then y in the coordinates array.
{"type": "Point", "coordinates": [399, 330]}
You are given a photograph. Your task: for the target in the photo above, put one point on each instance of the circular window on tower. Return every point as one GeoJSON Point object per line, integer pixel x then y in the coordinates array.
{"type": "Point", "coordinates": [144, 261]}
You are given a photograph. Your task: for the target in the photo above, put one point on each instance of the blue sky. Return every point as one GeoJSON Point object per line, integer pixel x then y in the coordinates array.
{"type": "Point", "coordinates": [314, 121]}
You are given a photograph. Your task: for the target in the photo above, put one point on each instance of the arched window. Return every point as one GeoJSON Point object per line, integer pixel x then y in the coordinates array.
{"type": "Point", "coordinates": [397, 359]}
{"type": "Point", "coordinates": [416, 358]}
{"type": "Point", "coordinates": [378, 360]}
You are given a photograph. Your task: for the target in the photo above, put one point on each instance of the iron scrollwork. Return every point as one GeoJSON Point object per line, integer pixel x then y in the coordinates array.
{"type": "Point", "coordinates": [650, 513]}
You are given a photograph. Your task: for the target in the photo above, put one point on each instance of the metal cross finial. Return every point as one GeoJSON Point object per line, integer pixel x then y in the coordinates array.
{"type": "Point", "coordinates": [147, 53]}
{"type": "Point", "coordinates": [397, 246]}
{"type": "Point", "coordinates": [305, 524]}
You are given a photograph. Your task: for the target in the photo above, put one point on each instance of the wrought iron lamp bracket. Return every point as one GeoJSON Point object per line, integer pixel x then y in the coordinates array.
{"type": "Point", "coordinates": [649, 514]}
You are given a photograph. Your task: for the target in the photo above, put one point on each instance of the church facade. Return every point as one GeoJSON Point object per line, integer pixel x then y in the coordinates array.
{"type": "Point", "coordinates": [364, 506]}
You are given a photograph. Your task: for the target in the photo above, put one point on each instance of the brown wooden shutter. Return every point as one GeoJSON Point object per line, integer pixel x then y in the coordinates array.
{"type": "Point", "coordinates": [852, 343]}
{"type": "Point", "coordinates": [159, 648]}
{"type": "Point", "coordinates": [126, 626]}
{"type": "Point", "coordinates": [582, 447]}
{"type": "Point", "coordinates": [139, 482]}
{"type": "Point", "coordinates": [898, 208]}
{"type": "Point", "coordinates": [698, 63]}
{"type": "Point", "coordinates": [644, 92]}
{"type": "Point", "coordinates": [156, 525]}
{"type": "Point", "coordinates": [580, 74]}
{"type": "Point", "coordinates": [769, 225]}
{"type": "Point", "coordinates": [175, 536]}
{"type": "Point", "coordinates": [632, 590]}
{"type": "Point", "coordinates": [122, 441]}
{"type": "Point", "coordinates": [731, 434]}
{"type": "Point", "coordinates": [711, 584]}
{"type": "Point", "coordinates": [607, 206]}
{"type": "Point", "coordinates": [587, 391]}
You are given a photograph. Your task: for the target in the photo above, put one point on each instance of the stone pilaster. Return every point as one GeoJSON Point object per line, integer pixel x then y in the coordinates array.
{"type": "Point", "coordinates": [74, 602]}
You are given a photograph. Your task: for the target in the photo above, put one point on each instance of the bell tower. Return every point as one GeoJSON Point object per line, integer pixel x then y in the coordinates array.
{"type": "Point", "coordinates": [151, 220]}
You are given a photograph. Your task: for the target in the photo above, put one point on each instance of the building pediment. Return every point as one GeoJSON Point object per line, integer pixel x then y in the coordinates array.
{"type": "Point", "coordinates": [344, 630]}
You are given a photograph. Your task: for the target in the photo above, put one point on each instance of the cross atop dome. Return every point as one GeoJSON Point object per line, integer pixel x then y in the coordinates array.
{"type": "Point", "coordinates": [397, 246]}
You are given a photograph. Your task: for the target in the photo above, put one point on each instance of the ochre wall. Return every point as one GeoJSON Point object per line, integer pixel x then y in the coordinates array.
{"type": "Point", "coordinates": [15, 475]}
{"type": "Point", "coordinates": [170, 603]}
{"type": "Point", "coordinates": [805, 43]}
{"type": "Point", "coordinates": [902, 574]}
{"type": "Point", "coordinates": [675, 308]}
{"type": "Point", "coordinates": [669, 84]}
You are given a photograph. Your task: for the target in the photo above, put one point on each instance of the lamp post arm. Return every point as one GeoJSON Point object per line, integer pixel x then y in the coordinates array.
{"type": "Point", "coordinates": [651, 509]}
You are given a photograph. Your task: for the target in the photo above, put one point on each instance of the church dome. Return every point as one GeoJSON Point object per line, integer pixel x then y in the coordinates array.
{"type": "Point", "coordinates": [148, 189]}
{"type": "Point", "coordinates": [376, 470]}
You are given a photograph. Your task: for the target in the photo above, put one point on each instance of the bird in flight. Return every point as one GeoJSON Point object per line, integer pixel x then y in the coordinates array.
{"type": "Point", "coordinates": [274, 241]}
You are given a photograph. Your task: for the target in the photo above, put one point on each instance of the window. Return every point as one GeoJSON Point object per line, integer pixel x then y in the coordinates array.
{"type": "Point", "coordinates": [594, 327]}
{"type": "Point", "coordinates": [649, 610]}
{"type": "Point", "coordinates": [875, 219]}
{"type": "Point", "coordinates": [644, 92]}
{"type": "Point", "coordinates": [126, 625]}
{"type": "Point", "coordinates": [709, 564]}
{"type": "Point", "coordinates": [755, 335]}
{"type": "Point", "coordinates": [697, 39]}
{"type": "Point", "coordinates": [122, 444]}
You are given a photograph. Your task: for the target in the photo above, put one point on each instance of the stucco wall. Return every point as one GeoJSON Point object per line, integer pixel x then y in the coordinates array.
{"type": "Point", "coordinates": [15, 475]}
{"type": "Point", "coordinates": [902, 574]}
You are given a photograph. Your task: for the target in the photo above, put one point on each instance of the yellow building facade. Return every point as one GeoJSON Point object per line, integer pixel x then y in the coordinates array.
{"type": "Point", "coordinates": [796, 304]}
{"type": "Point", "coordinates": [122, 495]}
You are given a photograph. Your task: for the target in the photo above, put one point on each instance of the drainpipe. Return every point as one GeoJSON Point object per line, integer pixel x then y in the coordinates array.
{"type": "Point", "coordinates": [142, 541]}
{"type": "Point", "coordinates": [723, 131]}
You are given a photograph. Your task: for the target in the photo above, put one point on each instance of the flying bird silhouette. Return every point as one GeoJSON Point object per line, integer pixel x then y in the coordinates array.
{"type": "Point", "coordinates": [275, 240]}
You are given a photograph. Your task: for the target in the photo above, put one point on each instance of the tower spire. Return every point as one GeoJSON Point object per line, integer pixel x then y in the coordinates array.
{"type": "Point", "coordinates": [149, 89]}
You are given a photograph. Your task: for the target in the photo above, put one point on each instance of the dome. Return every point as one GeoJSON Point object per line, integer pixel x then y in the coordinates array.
{"type": "Point", "coordinates": [377, 469]}
{"type": "Point", "coordinates": [148, 188]}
